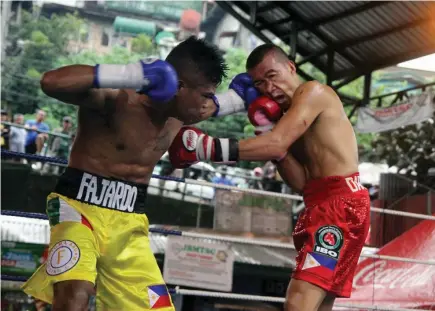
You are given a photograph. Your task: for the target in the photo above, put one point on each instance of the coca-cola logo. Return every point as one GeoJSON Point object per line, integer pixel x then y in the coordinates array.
{"type": "Point", "coordinates": [378, 274]}
{"type": "Point", "coordinates": [190, 139]}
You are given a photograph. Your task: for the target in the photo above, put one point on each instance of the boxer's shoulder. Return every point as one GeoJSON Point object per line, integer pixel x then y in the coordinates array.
{"type": "Point", "coordinates": [310, 88]}
{"type": "Point", "coordinates": [316, 92]}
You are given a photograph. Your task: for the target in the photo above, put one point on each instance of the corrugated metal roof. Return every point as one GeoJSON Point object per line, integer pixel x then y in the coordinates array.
{"type": "Point", "coordinates": [19, 229]}
{"type": "Point", "coordinates": [365, 35]}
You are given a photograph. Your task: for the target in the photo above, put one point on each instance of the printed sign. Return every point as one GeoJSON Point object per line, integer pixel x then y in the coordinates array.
{"type": "Point", "coordinates": [416, 109]}
{"type": "Point", "coordinates": [199, 264]}
{"type": "Point", "coordinates": [22, 258]}
{"type": "Point", "coordinates": [246, 212]}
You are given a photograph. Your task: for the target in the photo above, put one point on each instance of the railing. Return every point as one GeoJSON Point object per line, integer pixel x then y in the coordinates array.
{"type": "Point", "coordinates": [37, 130]}
{"type": "Point", "coordinates": [49, 133]}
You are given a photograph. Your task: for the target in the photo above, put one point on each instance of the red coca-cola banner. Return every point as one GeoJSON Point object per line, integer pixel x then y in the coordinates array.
{"type": "Point", "coordinates": [387, 283]}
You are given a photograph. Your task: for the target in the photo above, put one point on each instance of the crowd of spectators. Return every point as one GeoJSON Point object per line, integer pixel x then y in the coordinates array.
{"type": "Point", "coordinates": [35, 137]}
{"type": "Point", "coordinates": [261, 178]}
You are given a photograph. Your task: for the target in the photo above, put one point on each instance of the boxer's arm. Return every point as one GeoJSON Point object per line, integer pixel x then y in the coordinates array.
{"type": "Point", "coordinates": [307, 105]}
{"type": "Point", "coordinates": [292, 172]}
{"type": "Point", "coordinates": [74, 85]}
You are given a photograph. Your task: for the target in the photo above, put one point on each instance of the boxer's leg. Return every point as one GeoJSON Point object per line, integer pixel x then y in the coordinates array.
{"type": "Point", "coordinates": [72, 295]}
{"type": "Point", "coordinates": [129, 277]}
{"type": "Point", "coordinates": [67, 278]}
{"type": "Point", "coordinates": [327, 303]}
{"type": "Point", "coordinates": [303, 296]}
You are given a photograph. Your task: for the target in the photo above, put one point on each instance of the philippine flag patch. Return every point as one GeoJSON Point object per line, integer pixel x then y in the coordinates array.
{"type": "Point", "coordinates": [159, 296]}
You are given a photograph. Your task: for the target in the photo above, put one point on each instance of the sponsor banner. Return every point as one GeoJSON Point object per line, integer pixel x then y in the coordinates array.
{"type": "Point", "coordinates": [198, 264]}
{"type": "Point", "coordinates": [414, 110]}
{"type": "Point", "coordinates": [22, 258]}
{"type": "Point", "coordinates": [395, 283]}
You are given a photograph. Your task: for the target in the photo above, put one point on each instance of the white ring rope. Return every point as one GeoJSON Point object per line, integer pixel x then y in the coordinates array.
{"type": "Point", "coordinates": [400, 213]}
{"type": "Point", "coordinates": [298, 197]}
{"type": "Point", "coordinates": [202, 293]}
{"type": "Point", "coordinates": [291, 246]}
{"type": "Point", "coordinates": [247, 190]}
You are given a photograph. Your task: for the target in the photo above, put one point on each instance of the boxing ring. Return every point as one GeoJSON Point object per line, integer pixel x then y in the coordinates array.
{"type": "Point", "coordinates": [233, 240]}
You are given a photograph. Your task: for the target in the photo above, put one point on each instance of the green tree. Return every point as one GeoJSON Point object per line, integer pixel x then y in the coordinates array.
{"type": "Point", "coordinates": [142, 44]}
{"type": "Point", "coordinates": [47, 42]}
{"type": "Point", "coordinates": [411, 149]}
{"type": "Point", "coordinates": [40, 40]}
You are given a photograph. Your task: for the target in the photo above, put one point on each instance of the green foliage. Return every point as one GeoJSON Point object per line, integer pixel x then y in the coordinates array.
{"type": "Point", "coordinates": [42, 40]}
{"type": "Point", "coordinates": [411, 148]}
{"type": "Point", "coordinates": [143, 44]}
{"type": "Point", "coordinates": [46, 47]}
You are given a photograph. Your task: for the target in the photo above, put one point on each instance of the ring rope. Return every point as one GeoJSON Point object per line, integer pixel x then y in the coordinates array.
{"type": "Point", "coordinates": [202, 293]}
{"type": "Point", "coordinates": [232, 239]}
{"type": "Point", "coordinates": [8, 153]}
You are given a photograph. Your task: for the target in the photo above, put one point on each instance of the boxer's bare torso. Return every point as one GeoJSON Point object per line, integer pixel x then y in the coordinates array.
{"type": "Point", "coordinates": [121, 134]}
{"type": "Point", "coordinates": [124, 139]}
{"type": "Point", "coordinates": [328, 147]}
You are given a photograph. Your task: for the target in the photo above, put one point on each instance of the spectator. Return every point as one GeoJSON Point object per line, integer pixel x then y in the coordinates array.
{"type": "Point", "coordinates": [270, 182]}
{"type": "Point", "coordinates": [60, 147]}
{"type": "Point", "coordinates": [35, 141]}
{"type": "Point", "coordinates": [223, 180]}
{"type": "Point", "coordinates": [255, 183]}
{"type": "Point", "coordinates": [17, 138]}
{"type": "Point", "coordinates": [5, 130]}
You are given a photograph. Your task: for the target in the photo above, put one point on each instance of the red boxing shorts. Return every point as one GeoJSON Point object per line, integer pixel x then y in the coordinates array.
{"type": "Point", "coordinates": [331, 231]}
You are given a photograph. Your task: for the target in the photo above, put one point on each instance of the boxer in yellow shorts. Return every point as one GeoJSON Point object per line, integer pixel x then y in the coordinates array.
{"type": "Point", "coordinates": [99, 234]}
{"type": "Point", "coordinates": [127, 118]}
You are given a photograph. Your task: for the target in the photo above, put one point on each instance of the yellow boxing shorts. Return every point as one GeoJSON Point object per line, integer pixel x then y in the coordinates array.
{"type": "Point", "coordinates": [99, 233]}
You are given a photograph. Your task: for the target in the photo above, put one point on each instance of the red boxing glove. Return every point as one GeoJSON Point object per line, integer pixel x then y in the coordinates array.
{"type": "Point", "coordinates": [191, 145]}
{"type": "Point", "coordinates": [263, 113]}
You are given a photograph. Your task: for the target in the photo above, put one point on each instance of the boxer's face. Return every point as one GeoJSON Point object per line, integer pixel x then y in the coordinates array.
{"type": "Point", "coordinates": [193, 102]}
{"type": "Point", "coordinates": [275, 77]}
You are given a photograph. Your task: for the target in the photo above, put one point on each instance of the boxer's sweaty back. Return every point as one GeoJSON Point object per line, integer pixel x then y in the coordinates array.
{"type": "Point", "coordinates": [328, 147]}
{"type": "Point", "coordinates": [124, 139]}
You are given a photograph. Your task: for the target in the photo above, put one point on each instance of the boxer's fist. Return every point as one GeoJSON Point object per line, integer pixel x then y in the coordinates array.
{"type": "Point", "coordinates": [191, 145]}
{"type": "Point", "coordinates": [239, 96]}
{"type": "Point", "coordinates": [188, 147]}
{"type": "Point", "coordinates": [153, 77]}
{"type": "Point", "coordinates": [243, 85]}
{"type": "Point", "coordinates": [160, 80]}
{"type": "Point", "coordinates": [263, 113]}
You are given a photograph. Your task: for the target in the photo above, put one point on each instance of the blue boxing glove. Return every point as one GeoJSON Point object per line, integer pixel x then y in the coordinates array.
{"type": "Point", "coordinates": [153, 77]}
{"type": "Point", "coordinates": [241, 93]}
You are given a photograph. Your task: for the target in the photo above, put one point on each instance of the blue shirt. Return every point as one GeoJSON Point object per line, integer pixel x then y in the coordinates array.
{"type": "Point", "coordinates": [222, 181]}
{"type": "Point", "coordinates": [31, 135]}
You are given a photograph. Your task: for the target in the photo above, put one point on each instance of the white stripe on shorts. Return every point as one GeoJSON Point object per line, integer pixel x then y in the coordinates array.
{"type": "Point", "coordinates": [67, 213]}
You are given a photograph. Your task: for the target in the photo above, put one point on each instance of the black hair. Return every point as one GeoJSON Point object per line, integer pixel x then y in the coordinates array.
{"type": "Point", "coordinates": [195, 60]}
{"type": "Point", "coordinates": [258, 54]}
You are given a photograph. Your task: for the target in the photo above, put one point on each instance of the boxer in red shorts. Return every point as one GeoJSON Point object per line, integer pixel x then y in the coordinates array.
{"type": "Point", "coordinates": [314, 146]}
